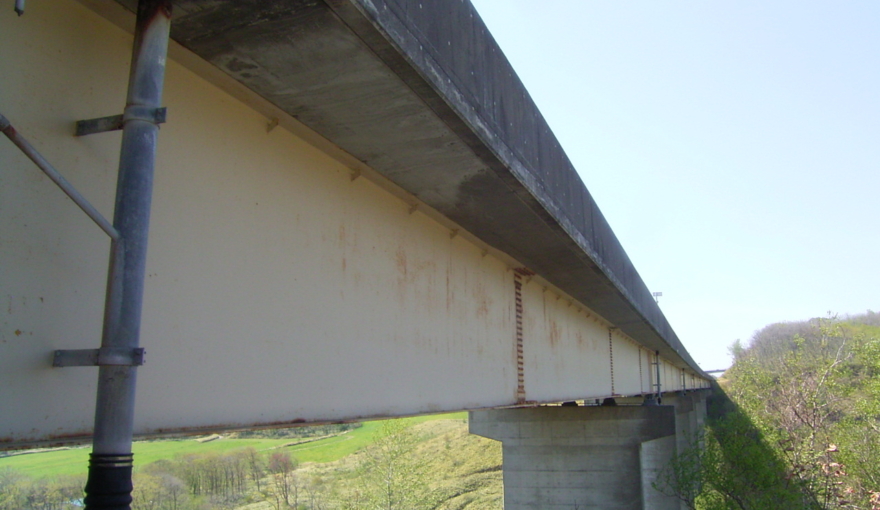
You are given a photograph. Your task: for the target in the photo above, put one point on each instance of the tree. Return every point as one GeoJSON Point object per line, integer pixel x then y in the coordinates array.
{"type": "Point", "coordinates": [12, 489]}
{"type": "Point", "coordinates": [392, 476]}
{"type": "Point", "coordinates": [730, 466]}
{"type": "Point", "coordinates": [256, 466]}
{"type": "Point", "coordinates": [283, 491]}
{"type": "Point", "coordinates": [63, 493]}
{"type": "Point", "coordinates": [147, 492]}
{"type": "Point", "coordinates": [812, 390]}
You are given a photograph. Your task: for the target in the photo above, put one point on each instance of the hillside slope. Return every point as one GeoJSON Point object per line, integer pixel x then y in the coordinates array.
{"type": "Point", "coordinates": [426, 462]}
{"type": "Point", "coordinates": [802, 420]}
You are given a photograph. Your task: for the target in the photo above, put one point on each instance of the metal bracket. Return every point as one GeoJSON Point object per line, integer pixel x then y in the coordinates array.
{"type": "Point", "coordinates": [98, 358]}
{"type": "Point", "coordinates": [115, 122]}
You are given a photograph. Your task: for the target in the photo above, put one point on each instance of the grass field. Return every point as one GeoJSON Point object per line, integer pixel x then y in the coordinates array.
{"type": "Point", "coordinates": [74, 461]}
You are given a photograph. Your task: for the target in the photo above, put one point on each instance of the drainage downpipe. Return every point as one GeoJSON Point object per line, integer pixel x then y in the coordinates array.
{"type": "Point", "coordinates": [109, 482]}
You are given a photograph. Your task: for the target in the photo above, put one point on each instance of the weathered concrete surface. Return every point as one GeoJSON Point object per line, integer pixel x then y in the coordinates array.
{"type": "Point", "coordinates": [690, 418]}
{"type": "Point", "coordinates": [655, 456]}
{"type": "Point", "coordinates": [576, 457]}
{"type": "Point", "coordinates": [422, 93]}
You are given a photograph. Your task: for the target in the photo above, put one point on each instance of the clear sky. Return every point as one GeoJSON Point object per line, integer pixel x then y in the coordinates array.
{"type": "Point", "coordinates": [734, 147]}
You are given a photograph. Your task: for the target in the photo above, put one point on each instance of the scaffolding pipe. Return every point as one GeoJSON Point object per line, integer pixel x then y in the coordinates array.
{"type": "Point", "coordinates": [110, 466]}
{"type": "Point", "coordinates": [56, 177]}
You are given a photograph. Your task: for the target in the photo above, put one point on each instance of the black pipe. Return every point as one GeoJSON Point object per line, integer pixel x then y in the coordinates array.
{"type": "Point", "coordinates": [109, 486]}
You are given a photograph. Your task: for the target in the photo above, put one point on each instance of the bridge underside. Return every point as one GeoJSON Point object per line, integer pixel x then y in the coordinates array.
{"type": "Point", "coordinates": [414, 240]}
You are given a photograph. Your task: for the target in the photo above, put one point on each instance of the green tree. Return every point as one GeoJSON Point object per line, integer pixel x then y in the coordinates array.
{"type": "Point", "coordinates": [812, 389]}
{"type": "Point", "coordinates": [12, 489]}
{"type": "Point", "coordinates": [392, 475]}
{"type": "Point", "coordinates": [730, 466]}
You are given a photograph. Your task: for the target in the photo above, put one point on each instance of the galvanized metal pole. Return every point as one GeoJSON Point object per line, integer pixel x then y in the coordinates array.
{"type": "Point", "coordinates": [109, 483]}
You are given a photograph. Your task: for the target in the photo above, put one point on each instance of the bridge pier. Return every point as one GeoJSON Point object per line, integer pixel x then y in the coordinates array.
{"type": "Point", "coordinates": [596, 457]}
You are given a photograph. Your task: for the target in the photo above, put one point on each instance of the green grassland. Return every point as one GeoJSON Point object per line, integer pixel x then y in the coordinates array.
{"type": "Point", "coordinates": [443, 467]}
{"type": "Point", "coordinates": [335, 448]}
{"type": "Point", "coordinates": [74, 461]}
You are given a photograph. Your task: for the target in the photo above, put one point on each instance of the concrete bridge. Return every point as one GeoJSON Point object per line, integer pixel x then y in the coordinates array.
{"type": "Point", "coordinates": [357, 212]}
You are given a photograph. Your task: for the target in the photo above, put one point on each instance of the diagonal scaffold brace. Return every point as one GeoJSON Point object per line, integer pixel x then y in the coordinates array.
{"type": "Point", "coordinates": [109, 482]}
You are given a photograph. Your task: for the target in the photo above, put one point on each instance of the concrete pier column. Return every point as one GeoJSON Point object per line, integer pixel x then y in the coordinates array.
{"type": "Point", "coordinates": [567, 458]}
{"type": "Point", "coordinates": [690, 419]}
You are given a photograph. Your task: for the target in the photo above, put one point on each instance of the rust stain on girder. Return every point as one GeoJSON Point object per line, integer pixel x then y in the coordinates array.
{"type": "Point", "coordinates": [400, 260]}
{"type": "Point", "coordinates": [554, 333]}
{"type": "Point", "coordinates": [47, 441]}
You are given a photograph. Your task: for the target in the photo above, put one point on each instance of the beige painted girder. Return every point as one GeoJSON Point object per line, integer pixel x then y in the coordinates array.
{"type": "Point", "coordinates": [280, 289]}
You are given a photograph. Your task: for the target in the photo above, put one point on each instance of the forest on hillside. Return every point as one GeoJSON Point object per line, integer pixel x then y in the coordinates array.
{"type": "Point", "coordinates": [793, 424]}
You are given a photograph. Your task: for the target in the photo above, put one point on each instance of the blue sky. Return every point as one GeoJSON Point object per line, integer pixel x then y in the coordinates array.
{"type": "Point", "coordinates": [734, 147]}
